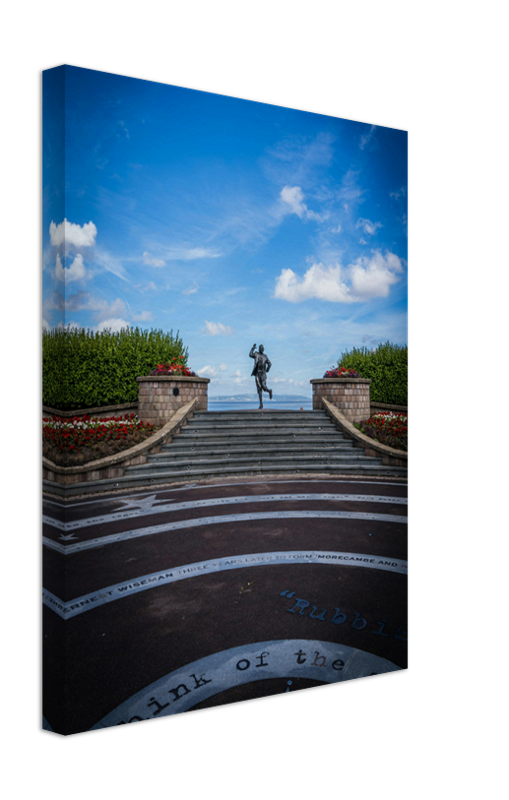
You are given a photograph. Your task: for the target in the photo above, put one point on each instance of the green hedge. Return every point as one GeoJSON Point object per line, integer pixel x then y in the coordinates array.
{"type": "Point", "coordinates": [83, 369]}
{"type": "Point", "coordinates": [387, 368]}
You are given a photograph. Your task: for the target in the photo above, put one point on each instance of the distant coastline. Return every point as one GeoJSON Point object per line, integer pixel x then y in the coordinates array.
{"type": "Point", "coordinates": [250, 398]}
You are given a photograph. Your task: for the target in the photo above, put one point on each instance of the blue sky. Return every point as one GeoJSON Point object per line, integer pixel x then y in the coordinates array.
{"type": "Point", "coordinates": [231, 221]}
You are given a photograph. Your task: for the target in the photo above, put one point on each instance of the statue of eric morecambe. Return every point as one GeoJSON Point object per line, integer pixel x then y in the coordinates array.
{"type": "Point", "coordinates": [260, 369]}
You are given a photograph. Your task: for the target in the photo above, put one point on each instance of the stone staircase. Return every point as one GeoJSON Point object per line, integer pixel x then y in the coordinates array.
{"type": "Point", "coordinates": [228, 443]}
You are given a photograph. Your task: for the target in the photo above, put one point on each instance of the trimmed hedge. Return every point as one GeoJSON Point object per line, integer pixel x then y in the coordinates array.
{"type": "Point", "coordinates": [387, 368]}
{"type": "Point", "coordinates": [84, 369]}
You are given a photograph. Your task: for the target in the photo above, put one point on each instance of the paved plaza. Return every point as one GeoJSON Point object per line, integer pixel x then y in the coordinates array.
{"type": "Point", "coordinates": [181, 598]}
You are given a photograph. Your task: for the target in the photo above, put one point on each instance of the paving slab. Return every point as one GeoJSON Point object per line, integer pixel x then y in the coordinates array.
{"type": "Point", "coordinates": [228, 591]}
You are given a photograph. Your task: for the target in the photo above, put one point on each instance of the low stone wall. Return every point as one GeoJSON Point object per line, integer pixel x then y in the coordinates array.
{"type": "Point", "coordinates": [114, 466]}
{"type": "Point", "coordinates": [388, 407]}
{"type": "Point", "coordinates": [350, 395]}
{"type": "Point", "coordinates": [389, 455]}
{"type": "Point", "coordinates": [98, 411]}
{"type": "Point", "coordinates": [160, 396]}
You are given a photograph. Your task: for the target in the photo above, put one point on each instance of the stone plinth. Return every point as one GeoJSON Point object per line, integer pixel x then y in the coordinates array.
{"type": "Point", "coordinates": [160, 396]}
{"type": "Point", "coordinates": [350, 395]}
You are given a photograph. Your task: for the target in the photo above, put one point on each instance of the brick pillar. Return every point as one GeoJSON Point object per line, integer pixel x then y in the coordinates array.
{"type": "Point", "coordinates": [350, 395]}
{"type": "Point", "coordinates": [159, 396]}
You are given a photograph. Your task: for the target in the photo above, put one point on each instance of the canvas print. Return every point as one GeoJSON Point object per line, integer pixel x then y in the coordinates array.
{"type": "Point", "coordinates": [225, 413]}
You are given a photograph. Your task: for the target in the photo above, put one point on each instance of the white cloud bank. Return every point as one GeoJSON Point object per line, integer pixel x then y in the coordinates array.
{"type": "Point", "coordinates": [115, 325]}
{"type": "Point", "coordinates": [362, 280]}
{"type": "Point", "coordinates": [217, 329]}
{"type": "Point", "coordinates": [76, 272]}
{"type": "Point", "coordinates": [68, 236]}
{"type": "Point", "coordinates": [69, 233]}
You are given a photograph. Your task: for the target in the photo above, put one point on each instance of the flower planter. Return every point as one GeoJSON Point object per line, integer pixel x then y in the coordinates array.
{"type": "Point", "coordinates": [350, 395]}
{"type": "Point", "coordinates": [160, 396]}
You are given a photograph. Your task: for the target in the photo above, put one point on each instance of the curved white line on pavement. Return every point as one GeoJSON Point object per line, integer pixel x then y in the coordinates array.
{"type": "Point", "coordinates": [151, 530]}
{"type": "Point", "coordinates": [200, 680]}
{"type": "Point", "coordinates": [147, 509]}
{"type": "Point", "coordinates": [188, 486]}
{"type": "Point", "coordinates": [115, 592]}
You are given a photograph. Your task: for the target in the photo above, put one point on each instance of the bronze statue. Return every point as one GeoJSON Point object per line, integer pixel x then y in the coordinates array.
{"type": "Point", "coordinates": [260, 369]}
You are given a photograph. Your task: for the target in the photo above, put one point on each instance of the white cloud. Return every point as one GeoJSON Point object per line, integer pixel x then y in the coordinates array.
{"type": "Point", "coordinates": [145, 287]}
{"type": "Point", "coordinates": [294, 198]}
{"type": "Point", "coordinates": [82, 301]}
{"type": "Point", "coordinates": [373, 277]}
{"type": "Point", "coordinates": [115, 324]}
{"type": "Point", "coordinates": [223, 367]}
{"type": "Point", "coordinates": [337, 229]}
{"type": "Point", "coordinates": [207, 372]}
{"type": "Point", "coordinates": [105, 310]}
{"type": "Point", "coordinates": [367, 137]}
{"type": "Point", "coordinates": [350, 193]}
{"type": "Point", "coordinates": [191, 253]}
{"type": "Point", "coordinates": [369, 228]}
{"type": "Point", "coordinates": [153, 262]}
{"type": "Point", "coordinates": [76, 272]}
{"type": "Point", "coordinates": [218, 329]}
{"type": "Point", "coordinates": [398, 194]}
{"type": "Point", "coordinates": [110, 263]}
{"type": "Point", "coordinates": [45, 325]}
{"type": "Point", "coordinates": [362, 280]}
{"type": "Point", "coordinates": [145, 316]}
{"type": "Point", "coordinates": [236, 374]}
{"type": "Point", "coordinates": [192, 290]}
{"type": "Point", "coordinates": [72, 234]}
{"type": "Point", "coordinates": [319, 281]}
{"type": "Point", "coordinates": [295, 160]}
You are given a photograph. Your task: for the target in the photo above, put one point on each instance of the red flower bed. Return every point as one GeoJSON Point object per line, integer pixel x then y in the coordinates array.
{"type": "Point", "coordinates": [176, 367]}
{"type": "Point", "coordinates": [341, 372]}
{"type": "Point", "coordinates": [387, 428]}
{"type": "Point", "coordinates": [80, 439]}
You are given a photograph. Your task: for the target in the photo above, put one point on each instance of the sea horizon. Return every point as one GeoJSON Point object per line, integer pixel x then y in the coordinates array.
{"type": "Point", "coordinates": [245, 405]}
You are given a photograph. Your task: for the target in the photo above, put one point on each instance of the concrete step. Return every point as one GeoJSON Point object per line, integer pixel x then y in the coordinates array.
{"type": "Point", "coordinates": [265, 412]}
{"type": "Point", "coordinates": [246, 423]}
{"type": "Point", "coordinates": [258, 427]}
{"type": "Point", "coordinates": [268, 446]}
{"type": "Point", "coordinates": [222, 443]}
{"type": "Point", "coordinates": [184, 476]}
{"type": "Point", "coordinates": [190, 450]}
{"type": "Point", "coordinates": [228, 444]}
{"type": "Point", "coordinates": [202, 473]}
{"type": "Point", "coordinates": [247, 438]}
{"type": "Point", "coordinates": [259, 422]}
{"type": "Point", "coordinates": [254, 416]}
{"type": "Point", "coordinates": [252, 462]}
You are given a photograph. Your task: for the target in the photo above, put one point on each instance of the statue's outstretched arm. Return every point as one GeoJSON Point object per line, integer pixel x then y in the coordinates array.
{"type": "Point", "coordinates": [268, 365]}
{"type": "Point", "coordinates": [251, 352]}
